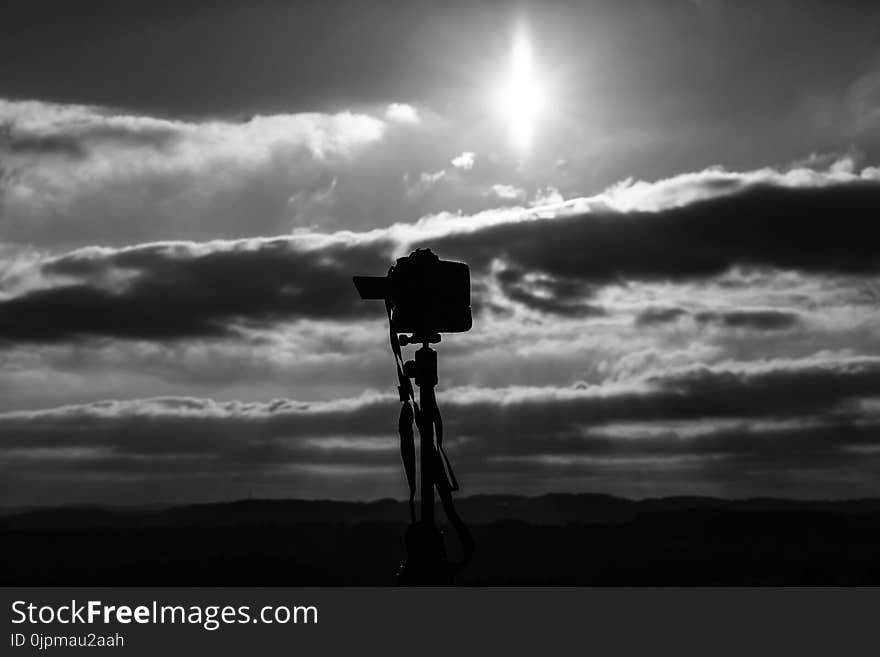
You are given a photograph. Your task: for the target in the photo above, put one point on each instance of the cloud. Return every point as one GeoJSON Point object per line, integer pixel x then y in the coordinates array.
{"type": "Point", "coordinates": [81, 174]}
{"type": "Point", "coordinates": [431, 177]}
{"type": "Point", "coordinates": [465, 161]}
{"type": "Point", "coordinates": [553, 260]}
{"type": "Point", "coordinates": [543, 294]}
{"type": "Point", "coordinates": [548, 196]}
{"type": "Point", "coordinates": [685, 188]}
{"type": "Point", "coordinates": [78, 175]}
{"type": "Point", "coordinates": [658, 315]}
{"type": "Point", "coordinates": [90, 127]}
{"type": "Point", "coordinates": [779, 416]}
{"type": "Point", "coordinates": [759, 320]}
{"type": "Point", "coordinates": [749, 319]}
{"type": "Point", "coordinates": [173, 290]}
{"type": "Point", "coordinates": [167, 241]}
{"type": "Point", "coordinates": [820, 229]}
{"type": "Point", "coordinates": [508, 192]}
{"type": "Point", "coordinates": [402, 113]}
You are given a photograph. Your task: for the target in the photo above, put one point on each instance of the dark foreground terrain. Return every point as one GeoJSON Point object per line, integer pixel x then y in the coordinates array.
{"type": "Point", "coordinates": [554, 539]}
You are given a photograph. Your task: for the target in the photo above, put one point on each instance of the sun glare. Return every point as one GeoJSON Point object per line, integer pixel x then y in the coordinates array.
{"type": "Point", "coordinates": [521, 99]}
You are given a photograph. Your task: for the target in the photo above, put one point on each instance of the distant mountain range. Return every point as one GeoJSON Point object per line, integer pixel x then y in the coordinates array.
{"type": "Point", "coordinates": [548, 510]}
{"type": "Point", "coordinates": [557, 539]}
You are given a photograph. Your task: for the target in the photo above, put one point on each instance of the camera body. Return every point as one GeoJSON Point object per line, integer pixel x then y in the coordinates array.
{"type": "Point", "coordinates": [427, 295]}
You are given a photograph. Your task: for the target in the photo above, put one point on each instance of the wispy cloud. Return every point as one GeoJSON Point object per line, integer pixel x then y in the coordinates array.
{"type": "Point", "coordinates": [402, 112]}
{"type": "Point", "coordinates": [464, 161]}
{"type": "Point", "coordinates": [79, 173]}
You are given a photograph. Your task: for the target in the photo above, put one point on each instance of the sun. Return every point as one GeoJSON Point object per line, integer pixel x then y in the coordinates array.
{"type": "Point", "coordinates": [521, 99]}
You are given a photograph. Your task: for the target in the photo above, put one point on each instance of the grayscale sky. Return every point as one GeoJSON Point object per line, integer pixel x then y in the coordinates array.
{"type": "Point", "coordinates": [670, 210]}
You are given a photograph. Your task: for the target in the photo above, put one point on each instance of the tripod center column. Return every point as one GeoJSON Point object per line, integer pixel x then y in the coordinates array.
{"type": "Point", "coordinates": [426, 379]}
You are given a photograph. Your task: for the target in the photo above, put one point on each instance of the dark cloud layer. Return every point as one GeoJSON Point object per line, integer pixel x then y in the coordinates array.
{"type": "Point", "coordinates": [552, 266]}
{"type": "Point", "coordinates": [757, 320]}
{"type": "Point", "coordinates": [771, 390]}
{"type": "Point", "coordinates": [829, 229]}
{"type": "Point", "coordinates": [184, 290]}
{"type": "Point", "coordinates": [782, 416]}
{"type": "Point", "coordinates": [655, 315]}
{"type": "Point", "coordinates": [77, 142]}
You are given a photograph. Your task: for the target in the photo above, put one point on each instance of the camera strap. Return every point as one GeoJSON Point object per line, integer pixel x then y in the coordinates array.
{"type": "Point", "coordinates": [438, 431]}
{"type": "Point", "coordinates": [407, 416]}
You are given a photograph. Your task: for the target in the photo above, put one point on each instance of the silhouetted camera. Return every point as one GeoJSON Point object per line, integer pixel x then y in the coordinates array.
{"type": "Point", "coordinates": [427, 295]}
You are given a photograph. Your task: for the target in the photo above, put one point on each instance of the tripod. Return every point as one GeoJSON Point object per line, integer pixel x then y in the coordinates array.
{"type": "Point", "coordinates": [426, 562]}
{"type": "Point", "coordinates": [424, 296]}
